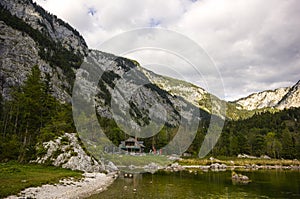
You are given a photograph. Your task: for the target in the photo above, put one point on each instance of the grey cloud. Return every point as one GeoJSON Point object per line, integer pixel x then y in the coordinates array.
{"type": "Point", "coordinates": [255, 44]}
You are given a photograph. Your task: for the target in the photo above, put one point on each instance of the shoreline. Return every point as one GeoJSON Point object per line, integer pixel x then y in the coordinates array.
{"type": "Point", "coordinates": [239, 163]}
{"type": "Point", "coordinates": [91, 183]}
{"type": "Point", "coordinates": [244, 167]}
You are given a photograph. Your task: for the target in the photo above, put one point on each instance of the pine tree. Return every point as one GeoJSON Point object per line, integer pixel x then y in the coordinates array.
{"type": "Point", "coordinates": [287, 144]}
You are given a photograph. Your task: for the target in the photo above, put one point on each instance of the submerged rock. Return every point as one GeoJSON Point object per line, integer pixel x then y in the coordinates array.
{"type": "Point", "coordinates": [239, 178]}
{"type": "Point", "coordinates": [152, 167]}
{"type": "Point", "coordinates": [217, 166]}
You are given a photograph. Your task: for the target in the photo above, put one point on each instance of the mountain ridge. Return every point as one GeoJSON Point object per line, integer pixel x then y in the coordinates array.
{"type": "Point", "coordinates": [62, 32]}
{"type": "Point", "coordinates": [280, 98]}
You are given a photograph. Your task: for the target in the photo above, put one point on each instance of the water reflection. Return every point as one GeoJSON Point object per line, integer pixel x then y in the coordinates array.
{"type": "Point", "coordinates": [265, 184]}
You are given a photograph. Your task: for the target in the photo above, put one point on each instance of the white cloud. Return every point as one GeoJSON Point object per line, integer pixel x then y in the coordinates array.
{"type": "Point", "coordinates": [255, 44]}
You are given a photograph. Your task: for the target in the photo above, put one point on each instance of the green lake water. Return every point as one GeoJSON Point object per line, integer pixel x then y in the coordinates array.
{"type": "Point", "coordinates": [265, 184]}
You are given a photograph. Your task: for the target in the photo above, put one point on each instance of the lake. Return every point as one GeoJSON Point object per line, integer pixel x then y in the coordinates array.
{"type": "Point", "coordinates": [265, 184]}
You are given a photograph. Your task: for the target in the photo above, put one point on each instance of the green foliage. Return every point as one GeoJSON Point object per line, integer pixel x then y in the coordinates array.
{"type": "Point", "coordinates": [56, 153]}
{"type": "Point", "coordinates": [32, 116]}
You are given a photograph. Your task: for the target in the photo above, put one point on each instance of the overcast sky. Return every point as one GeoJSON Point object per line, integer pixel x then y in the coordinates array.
{"type": "Point", "coordinates": [255, 44]}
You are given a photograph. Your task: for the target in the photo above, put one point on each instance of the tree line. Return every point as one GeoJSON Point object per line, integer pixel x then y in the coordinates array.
{"type": "Point", "coordinates": [274, 134]}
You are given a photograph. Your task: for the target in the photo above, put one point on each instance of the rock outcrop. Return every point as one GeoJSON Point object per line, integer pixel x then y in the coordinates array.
{"type": "Point", "coordinates": [67, 152]}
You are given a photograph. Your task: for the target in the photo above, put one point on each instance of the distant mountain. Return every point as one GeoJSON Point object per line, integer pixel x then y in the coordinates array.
{"type": "Point", "coordinates": [291, 98]}
{"type": "Point", "coordinates": [280, 98]}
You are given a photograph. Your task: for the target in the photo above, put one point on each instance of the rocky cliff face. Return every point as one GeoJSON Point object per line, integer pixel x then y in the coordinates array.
{"type": "Point", "coordinates": [18, 54]}
{"type": "Point", "coordinates": [263, 99]}
{"type": "Point", "coordinates": [280, 98]}
{"type": "Point", "coordinates": [125, 95]}
{"type": "Point", "coordinates": [39, 19]}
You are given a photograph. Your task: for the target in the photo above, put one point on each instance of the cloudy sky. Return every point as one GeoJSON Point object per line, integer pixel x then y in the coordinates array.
{"type": "Point", "coordinates": [255, 44]}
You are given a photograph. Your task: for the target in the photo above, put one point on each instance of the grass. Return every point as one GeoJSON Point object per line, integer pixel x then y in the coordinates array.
{"type": "Point", "coordinates": [15, 177]}
{"type": "Point", "coordinates": [127, 160]}
{"type": "Point", "coordinates": [238, 161]}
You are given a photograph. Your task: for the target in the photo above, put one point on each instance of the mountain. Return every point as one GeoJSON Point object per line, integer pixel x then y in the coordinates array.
{"type": "Point", "coordinates": [281, 98]}
{"type": "Point", "coordinates": [188, 91]}
{"type": "Point", "coordinates": [129, 99]}
{"type": "Point", "coordinates": [269, 98]}
{"type": "Point", "coordinates": [43, 26]}
{"type": "Point", "coordinates": [191, 93]}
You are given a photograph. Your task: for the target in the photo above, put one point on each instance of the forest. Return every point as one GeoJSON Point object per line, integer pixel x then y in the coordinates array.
{"type": "Point", "coordinates": [31, 116]}
{"type": "Point", "coordinates": [274, 134]}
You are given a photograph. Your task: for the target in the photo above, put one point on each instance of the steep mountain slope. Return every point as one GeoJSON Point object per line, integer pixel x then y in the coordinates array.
{"type": "Point", "coordinates": [25, 44]}
{"type": "Point", "coordinates": [126, 96]}
{"type": "Point", "coordinates": [188, 91]}
{"type": "Point", "coordinates": [41, 20]}
{"type": "Point", "coordinates": [31, 37]}
{"type": "Point", "coordinates": [18, 54]}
